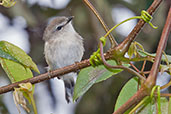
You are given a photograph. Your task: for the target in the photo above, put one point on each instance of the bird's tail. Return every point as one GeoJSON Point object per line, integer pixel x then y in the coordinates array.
{"type": "Point", "coordinates": [69, 87]}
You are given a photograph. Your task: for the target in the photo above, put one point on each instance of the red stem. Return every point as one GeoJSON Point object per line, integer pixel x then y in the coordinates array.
{"type": "Point", "coordinates": [151, 80]}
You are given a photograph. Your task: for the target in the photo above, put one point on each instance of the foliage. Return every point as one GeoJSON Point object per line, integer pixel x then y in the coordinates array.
{"type": "Point", "coordinates": [90, 75]}
{"type": "Point", "coordinates": [17, 64]}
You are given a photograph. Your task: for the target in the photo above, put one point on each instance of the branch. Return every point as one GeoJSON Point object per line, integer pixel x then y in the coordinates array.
{"type": "Point", "coordinates": [46, 76]}
{"type": "Point", "coordinates": [148, 85]}
{"type": "Point", "coordinates": [124, 46]}
{"type": "Point", "coordinates": [79, 65]}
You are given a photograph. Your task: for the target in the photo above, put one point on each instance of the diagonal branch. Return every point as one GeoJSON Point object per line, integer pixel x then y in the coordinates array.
{"type": "Point", "coordinates": [148, 85]}
{"type": "Point", "coordinates": [151, 80]}
{"type": "Point", "coordinates": [124, 46]}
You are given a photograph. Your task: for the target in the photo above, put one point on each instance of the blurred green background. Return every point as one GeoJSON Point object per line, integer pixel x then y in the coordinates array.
{"type": "Point", "coordinates": [30, 18]}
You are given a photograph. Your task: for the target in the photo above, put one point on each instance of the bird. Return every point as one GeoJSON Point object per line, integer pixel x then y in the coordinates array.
{"type": "Point", "coordinates": [63, 47]}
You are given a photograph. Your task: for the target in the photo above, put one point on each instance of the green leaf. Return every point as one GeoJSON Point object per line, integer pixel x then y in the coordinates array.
{"type": "Point", "coordinates": [90, 75]}
{"type": "Point", "coordinates": [15, 71]}
{"type": "Point", "coordinates": [129, 89]}
{"type": "Point", "coordinates": [12, 52]}
{"type": "Point", "coordinates": [131, 50]}
{"type": "Point", "coordinates": [151, 108]}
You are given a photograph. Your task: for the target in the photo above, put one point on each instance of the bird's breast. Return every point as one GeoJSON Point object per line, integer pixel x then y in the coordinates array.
{"type": "Point", "coordinates": [60, 53]}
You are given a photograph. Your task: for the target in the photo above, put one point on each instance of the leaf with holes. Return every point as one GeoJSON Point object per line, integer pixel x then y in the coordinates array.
{"type": "Point", "coordinates": [90, 75]}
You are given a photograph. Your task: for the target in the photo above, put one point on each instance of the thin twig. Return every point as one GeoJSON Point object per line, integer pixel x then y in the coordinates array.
{"type": "Point", "coordinates": [111, 38]}
{"type": "Point", "coordinates": [134, 67]}
{"type": "Point", "coordinates": [146, 72]}
{"type": "Point", "coordinates": [142, 69]}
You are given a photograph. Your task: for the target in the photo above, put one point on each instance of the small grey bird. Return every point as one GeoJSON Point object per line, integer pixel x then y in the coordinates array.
{"type": "Point", "coordinates": [63, 46]}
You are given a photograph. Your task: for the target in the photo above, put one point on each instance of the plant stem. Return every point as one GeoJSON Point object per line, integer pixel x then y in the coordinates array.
{"type": "Point", "coordinates": [151, 80]}
{"type": "Point", "coordinates": [118, 66]}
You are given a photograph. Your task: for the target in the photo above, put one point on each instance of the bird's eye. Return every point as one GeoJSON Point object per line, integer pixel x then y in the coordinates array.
{"type": "Point", "coordinates": [59, 27]}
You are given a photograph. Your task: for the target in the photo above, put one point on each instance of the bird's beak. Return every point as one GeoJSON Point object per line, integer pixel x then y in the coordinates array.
{"type": "Point", "coordinates": [70, 19]}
